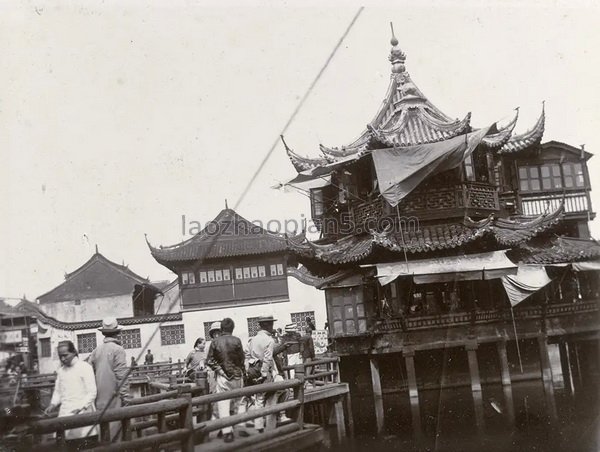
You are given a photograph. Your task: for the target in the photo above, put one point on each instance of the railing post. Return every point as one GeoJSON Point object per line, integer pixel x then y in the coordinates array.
{"type": "Point", "coordinates": [105, 432]}
{"type": "Point", "coordinates": [186, 422]}
{"type": "Point", "coordinates": [126, 429]}
{"type": "Point", "coordinates": [299, 394]}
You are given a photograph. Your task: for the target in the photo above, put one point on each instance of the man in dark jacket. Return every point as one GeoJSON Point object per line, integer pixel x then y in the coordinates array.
{"type": "Point", "coordinates": [226, 358]}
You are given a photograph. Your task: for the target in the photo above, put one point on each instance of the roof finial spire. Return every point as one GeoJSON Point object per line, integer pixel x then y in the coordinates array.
{"type": "Point", "coordinates": [397, 56]}
{"type": "Point", "coordinates": [96, 248]}
{"type": "Point", "coordinates": [226, 206]}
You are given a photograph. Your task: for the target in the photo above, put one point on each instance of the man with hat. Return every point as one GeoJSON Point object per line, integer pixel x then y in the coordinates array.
{"type": "Point", "coordinates": [261, 347]}
{"type": "Point", "coordinates": [110, 366]}
{"type": "Point", "coordinates": [291, 342]}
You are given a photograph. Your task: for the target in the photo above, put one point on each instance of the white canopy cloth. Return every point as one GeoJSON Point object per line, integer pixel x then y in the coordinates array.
{"type": "Point", "coordinates": [528, 280]}
{"type": "Point", "coordinates": [586, 266]}
{"type": "Point", "coordinates": [453, 268]}
{"type": "Point", "coordinates": [400, 170]}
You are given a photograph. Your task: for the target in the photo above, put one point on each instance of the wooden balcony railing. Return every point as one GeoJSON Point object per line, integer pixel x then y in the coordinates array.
{"type": "Point", "coordinates": [537, 205]}
{"type": "Point", "coordinates": [484, 316]}
{"type": "Point", "coordinates": [469, 195]}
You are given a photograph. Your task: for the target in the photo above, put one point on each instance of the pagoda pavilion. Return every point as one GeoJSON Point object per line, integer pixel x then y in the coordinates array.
{"type": "Point", "coordinates": [448, 253]}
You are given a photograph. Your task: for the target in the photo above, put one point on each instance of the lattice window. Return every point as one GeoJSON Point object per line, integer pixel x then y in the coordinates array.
{"type": "Point", "coordinates": [86, 343]}
{"type": "Point", "coordinates": [45, 349]}
{"type": "Point", "coordinates": [172, 334]}
{"type": "Point", "coordinates": [299, 318]}
{"type": "Point", "coordinates": [206, 328]}
{"type": "Point", "coordinates": [253, 327]}
{"type": "Point", "coordinates": [131, 338]}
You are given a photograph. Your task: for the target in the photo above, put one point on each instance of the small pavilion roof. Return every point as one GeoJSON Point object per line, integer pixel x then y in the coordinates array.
{"type": "Point", "coordinates": [427, 238]}
{"type": "Point", "coordinates": [97, 278]}
{"type": "Point", "coordinates": [407, 117]}
{"type": "Point", "coordinates": [228, 235]}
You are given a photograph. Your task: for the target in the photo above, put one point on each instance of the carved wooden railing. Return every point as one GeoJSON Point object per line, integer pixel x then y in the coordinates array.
{"type": "Point", "coordinates": [469, 195]}
{"type": "Point", "coordinates": [484, 316]}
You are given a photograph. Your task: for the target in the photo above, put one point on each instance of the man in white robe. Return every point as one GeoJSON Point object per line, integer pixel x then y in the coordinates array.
{"type": "Point", "coordinates": [74, 390]}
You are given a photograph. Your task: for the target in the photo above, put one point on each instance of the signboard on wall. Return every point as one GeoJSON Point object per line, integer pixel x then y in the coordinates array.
{"type": "Point", "coordinates": [11, 337]}
{"type": "Point", "coordinates": [320, 341]}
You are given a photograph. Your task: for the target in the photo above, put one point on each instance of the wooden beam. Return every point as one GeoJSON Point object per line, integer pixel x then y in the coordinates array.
{"type": "Point", "coordinates": [377, 394]}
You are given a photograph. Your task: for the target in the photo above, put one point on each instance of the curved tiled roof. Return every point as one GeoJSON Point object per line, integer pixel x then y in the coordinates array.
{"type": "Point", "coordinates": [498, 139]}
{"type": "Point", "coordinates": [519, 142]}
{"type": "Point", "coordinates": [33, 310]}
{"type": "Point", "coordinates": [98, 277]}
{"type": "Point", "coordinates": [426, 238]}
{"type": "Point", "coordinates": [303, 275]}
{"type": "Point", "coordinates": [228, 235]}
{"type": "Point", "coordinates": [557, 251]}
{"type": "Point", "coordinates": [406, 117]}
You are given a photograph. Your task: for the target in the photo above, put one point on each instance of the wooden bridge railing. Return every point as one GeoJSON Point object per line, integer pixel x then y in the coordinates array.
{"type": "Point", "coordinates": [175, 409]}
{"type": "Point", "coordinates": [320, 371]}
{"type": "Point", "coordinates": [183, 434]}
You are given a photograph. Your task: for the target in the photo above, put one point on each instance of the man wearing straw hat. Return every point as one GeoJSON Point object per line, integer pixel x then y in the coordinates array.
{"type": "Point", "coordinates": [110, 366]}
{"type": "Point", "coordinates": [291, 341]}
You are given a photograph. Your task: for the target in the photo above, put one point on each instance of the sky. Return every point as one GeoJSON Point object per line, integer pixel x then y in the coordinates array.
{"type": "Point", "coordinates": [119, 119]}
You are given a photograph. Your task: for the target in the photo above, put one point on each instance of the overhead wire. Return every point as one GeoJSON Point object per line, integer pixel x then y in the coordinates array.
{"type": "Point", "coordinates": [239, 201]}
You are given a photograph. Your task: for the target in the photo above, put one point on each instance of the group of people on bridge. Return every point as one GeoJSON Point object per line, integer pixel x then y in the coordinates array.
{"type": "Point", "coordinates": [101, 381]}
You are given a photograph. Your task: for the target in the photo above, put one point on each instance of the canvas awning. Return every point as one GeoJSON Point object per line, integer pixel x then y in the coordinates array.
{"type": "Point", "coordinates": [528, 280]}
{"type": "Point", "coordinates": [583, 266]}
{"type": "Point", "coordinates": [319, 173]}
{"type": "Point", "coordinates": [586, 266]}
{"type": "Point", "coordinates": [469, 267]}
{"type": "Point", "coordinates": [401, 170]}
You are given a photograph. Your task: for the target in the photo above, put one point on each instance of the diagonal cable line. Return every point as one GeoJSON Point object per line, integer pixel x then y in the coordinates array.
{"type": "Point", "coordinates": [299, 106]}
{"type": "Point", "coordinates": [241, 198]}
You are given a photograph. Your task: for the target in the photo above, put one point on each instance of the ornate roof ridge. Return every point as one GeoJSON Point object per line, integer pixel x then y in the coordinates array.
{"type": "Point", "coordinates": [124, 321]}
{"type": "Point", "coordinates": [428, 238]}
{"type": "Point", "coordinates": [403, 96]}
{"type": "Point", "coordinates": [498, 139]}
{"type": "Point", "coordinates": [303, 163]}
{"type": "Point", "coordinates": [521, 141]}
{"type": "Point", "coordinates": [303, 275]}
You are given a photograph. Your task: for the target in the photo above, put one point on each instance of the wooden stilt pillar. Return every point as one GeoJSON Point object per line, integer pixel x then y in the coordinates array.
{"type": "Point", "coordinates": [471, 348]}
{"type": "Point", "coordinates": [377, 394]}
{"type": "Point", "coordinates": [348, 401]}
{"type": "Point", "coordinates": [340, 422]}
{"type": "Point", "coordinates": [413, 391]}
{"type": "Point", "coordinates": [547, 377]}
{"type": "Point", "coordinates": [565, 366]}
{"type": "Point", "coordinates": [506, 381]}
{"type": "Point", "coordinates": [575, 364]}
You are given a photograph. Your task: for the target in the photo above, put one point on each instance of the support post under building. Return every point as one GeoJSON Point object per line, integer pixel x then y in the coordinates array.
{"type": "Point", "coordinates": [506, 381]}
{"type": "Point", "coordinates": [377, 394]}
{"type": "Point", "coordinates": [471, 348]}
{"type": "Point", "coordinates": [413, 391]}
{"type": "Point", "coordinates": [547, 377]}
